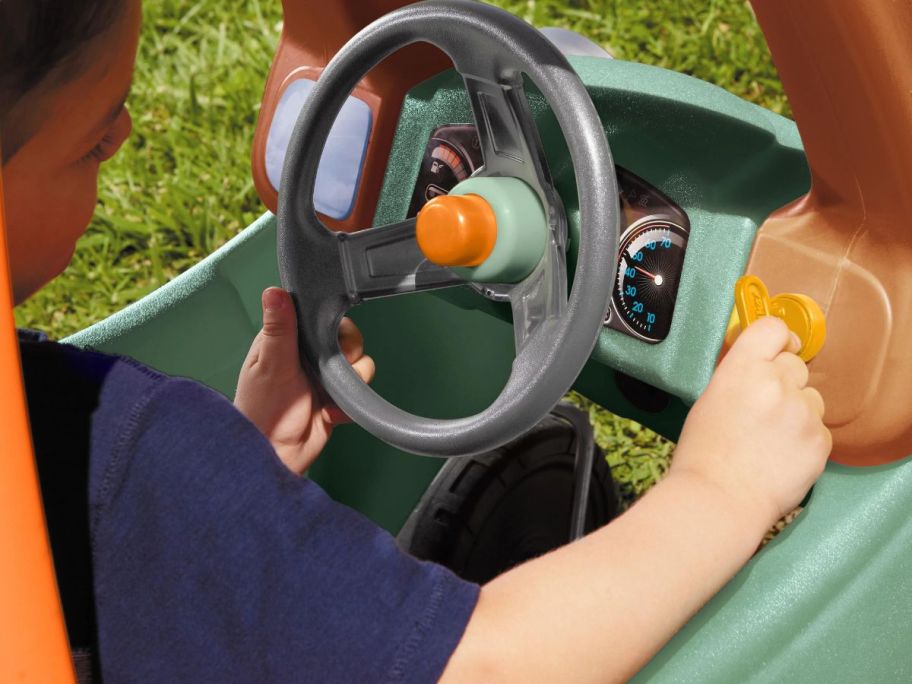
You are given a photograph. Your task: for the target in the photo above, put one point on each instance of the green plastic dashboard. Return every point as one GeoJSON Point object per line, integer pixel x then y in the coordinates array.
{"type": "Point", "coordinates": [829, 600]}
{"type": "Point", "coordinates": [726, 162]}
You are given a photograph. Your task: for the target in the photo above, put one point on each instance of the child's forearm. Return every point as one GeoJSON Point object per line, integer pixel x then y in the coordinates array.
{"type": "Point", "coordinates": [598, 609]}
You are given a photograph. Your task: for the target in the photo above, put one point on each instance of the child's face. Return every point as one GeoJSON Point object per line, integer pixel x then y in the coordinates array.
{"type": "Point", "coordinates": [51, 181]}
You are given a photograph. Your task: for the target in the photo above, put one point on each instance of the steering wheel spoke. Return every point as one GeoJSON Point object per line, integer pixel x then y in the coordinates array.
{"type": "Point", "coordinates": [387, 261]}
{"type": "Point", "coordinates": [502, 118]}
{"type": "Point", "coordinates": [511, 146]}
{"type": "Point", "coordinates": [540, 297]}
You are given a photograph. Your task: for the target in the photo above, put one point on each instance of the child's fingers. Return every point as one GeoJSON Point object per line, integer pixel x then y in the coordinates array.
{"type": "Point", "coordinates": [351, 341]}
{"type": "Point", "coordinates": [278, 340]}
{"type": "Point", "coordinates": [334, 415]}
{"type": "Point", "coordinates": [253, 354]}
{"type": "Point", "coordinates": [763, 341]}
{"type": "Point", "coordinates": [365, 368]}
{"type": "Point", "coordinates": [792, 369]}
{"type": "Point", "coordinates": [814, 400]}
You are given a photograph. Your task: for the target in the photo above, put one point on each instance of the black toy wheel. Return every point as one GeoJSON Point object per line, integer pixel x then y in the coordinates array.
{"type": "Point", "coordinates": [481, 516]}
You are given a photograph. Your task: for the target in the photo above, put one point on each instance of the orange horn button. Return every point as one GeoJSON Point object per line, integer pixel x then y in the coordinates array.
{"type": "Point", "coordinates": [456, 230]}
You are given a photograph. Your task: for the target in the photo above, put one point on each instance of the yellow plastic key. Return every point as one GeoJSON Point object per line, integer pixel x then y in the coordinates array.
{"type": "Point", "coordinates": [801, 314]}
{"type": "Point", "coordinates": [751, 300]}
{"type": "Point", "coordinates": [805, 318]}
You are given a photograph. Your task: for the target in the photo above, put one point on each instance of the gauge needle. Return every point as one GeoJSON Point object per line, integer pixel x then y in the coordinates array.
{"type": "Point", "coordinates": [657, 278]}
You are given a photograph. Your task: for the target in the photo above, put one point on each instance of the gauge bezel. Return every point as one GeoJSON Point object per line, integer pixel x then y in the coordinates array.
{"type": "Point", "coordinates": [615, 318]}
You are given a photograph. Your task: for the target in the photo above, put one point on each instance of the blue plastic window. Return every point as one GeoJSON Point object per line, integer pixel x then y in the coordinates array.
{"type": "Point", "coordinates": [343, 156]}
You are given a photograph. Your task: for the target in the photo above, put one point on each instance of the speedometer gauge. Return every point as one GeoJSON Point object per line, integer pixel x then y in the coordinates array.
{"type": "Point", "coordinates": [649, 269]}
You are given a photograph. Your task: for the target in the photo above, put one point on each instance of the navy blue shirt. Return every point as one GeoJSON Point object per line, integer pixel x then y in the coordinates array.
{"type": "Point", "coordinates": [209, 560]}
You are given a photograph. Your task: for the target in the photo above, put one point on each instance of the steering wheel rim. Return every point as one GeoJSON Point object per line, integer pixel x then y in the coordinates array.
{"type": "Point", "coordinates": [327, 273]}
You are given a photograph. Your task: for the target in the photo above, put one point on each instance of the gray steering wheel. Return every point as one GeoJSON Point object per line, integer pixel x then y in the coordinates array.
{"type": "Point", "coordinates": [327, 272]}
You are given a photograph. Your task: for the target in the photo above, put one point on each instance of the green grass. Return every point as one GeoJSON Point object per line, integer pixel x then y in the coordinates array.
{"type": "Point", "coordinates": [182, 186]}
{"type": "Point", "coordinates": [716, 40]}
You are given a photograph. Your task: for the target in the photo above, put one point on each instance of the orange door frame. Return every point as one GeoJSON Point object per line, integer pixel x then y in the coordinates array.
{"type": "Point", "coordinates": [33, 640]}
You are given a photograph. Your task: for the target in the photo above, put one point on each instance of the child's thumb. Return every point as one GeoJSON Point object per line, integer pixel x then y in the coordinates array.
{"type": "Point", "coordinates": [279, 337]}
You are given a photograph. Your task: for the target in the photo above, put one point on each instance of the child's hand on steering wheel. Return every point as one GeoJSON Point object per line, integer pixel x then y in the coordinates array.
{"type": "Point", "coordinates": [276, 395]}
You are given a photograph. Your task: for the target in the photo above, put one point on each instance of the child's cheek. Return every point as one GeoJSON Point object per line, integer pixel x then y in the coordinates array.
{"type": "Point", "coordinates": [82, 201]}
{"type": "Point", "coordinates": [47, 209]}
{"type": "Point", "coordinates": [65, 214]}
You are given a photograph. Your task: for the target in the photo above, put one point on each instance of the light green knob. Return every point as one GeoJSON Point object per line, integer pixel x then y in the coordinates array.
{"type": "Point", "coordinates": [522, 229]}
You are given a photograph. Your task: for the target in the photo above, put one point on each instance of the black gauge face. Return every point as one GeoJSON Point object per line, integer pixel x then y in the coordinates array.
{"type": "Point", "coordinates": [452, 154]}
{"type": "Point", "coordinates": [649, 270]}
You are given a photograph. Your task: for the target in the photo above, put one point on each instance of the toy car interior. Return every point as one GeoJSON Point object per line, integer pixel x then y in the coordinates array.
{"type": "Point", "coordinates": [646, 195]}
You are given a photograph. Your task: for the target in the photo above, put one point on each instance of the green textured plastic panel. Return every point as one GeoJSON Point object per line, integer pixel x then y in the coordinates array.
{"type": "Point", "coordinates": [726, 162]}
{"type": "Point", "coordinates": [829, 600]}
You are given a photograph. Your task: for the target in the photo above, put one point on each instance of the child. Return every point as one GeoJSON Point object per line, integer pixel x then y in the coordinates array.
{"type": "Point", "coordinates": [187, 551]}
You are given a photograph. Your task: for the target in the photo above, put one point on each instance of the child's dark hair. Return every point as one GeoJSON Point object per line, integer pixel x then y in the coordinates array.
{"type": "Point", "coordinates": [39, 40]}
